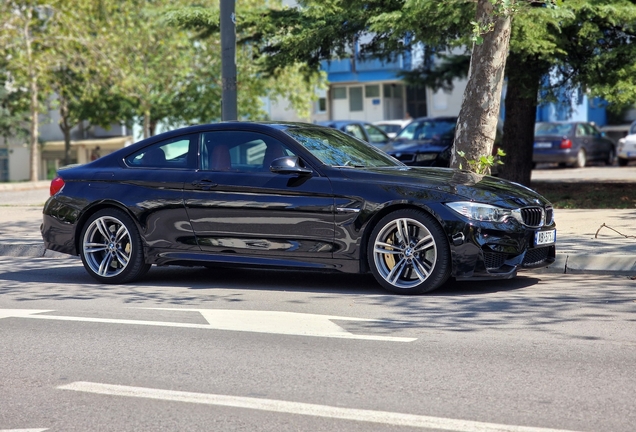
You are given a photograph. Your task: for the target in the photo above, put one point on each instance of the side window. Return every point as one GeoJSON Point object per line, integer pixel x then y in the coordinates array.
{"type": "Point", "coordinates": [593, 131]}
{"type": "Point", "coordinates": [376, 136]}
{"type": "Point", "coordinates": [580, 130]}
{"type": "Point", "coordinates": [239, 151]}
{"type": "Point", "coordinates": [175, 153]}
{"type": "Point", "coordinates": [355, 130]}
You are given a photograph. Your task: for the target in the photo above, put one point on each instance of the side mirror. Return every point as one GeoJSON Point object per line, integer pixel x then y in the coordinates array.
{"type": "Point", "coordinates": [289, 165]}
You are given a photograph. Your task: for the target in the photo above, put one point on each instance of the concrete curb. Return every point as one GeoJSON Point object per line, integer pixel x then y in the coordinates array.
{"type": "Point", "coordinates": [22, 186]}
{"type": "Point", "coordinates": [29, 251]}
{"type": "Point", "coordinates": [609, 264]}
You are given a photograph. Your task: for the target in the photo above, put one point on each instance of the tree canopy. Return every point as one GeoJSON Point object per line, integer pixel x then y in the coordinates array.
{"type": "Point", "coordinates": [581, 41]}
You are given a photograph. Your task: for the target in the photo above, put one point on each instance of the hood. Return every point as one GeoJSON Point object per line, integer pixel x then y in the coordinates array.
{"type": "Point", "coordinates": [465, 185]}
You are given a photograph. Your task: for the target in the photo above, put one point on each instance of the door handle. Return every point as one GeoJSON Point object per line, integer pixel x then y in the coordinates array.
{"type": "Point", "coordinates": [204, 184]}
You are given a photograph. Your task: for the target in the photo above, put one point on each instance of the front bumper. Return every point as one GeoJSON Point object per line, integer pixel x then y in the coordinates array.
{"type": "Point", "coordinates": [487, 251]}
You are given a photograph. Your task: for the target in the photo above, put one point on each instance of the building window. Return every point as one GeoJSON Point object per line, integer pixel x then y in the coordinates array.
{"type": "Point", "coordinates": [321, 105]}
{"type": "Point", "coordinates": [339, 92]}
{"type": "Point", "coordinates": [372, 91]}
{"type": "Point", "coordinates": [355, 99]}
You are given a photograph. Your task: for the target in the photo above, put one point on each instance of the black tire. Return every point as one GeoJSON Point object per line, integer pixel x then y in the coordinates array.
{"type": "Point", "coordinates": [415, 265]}
{"type": "Point", "coordinates": [111, 249]}
{"type": "Point", "coordinates": [581, 159]}
{"type": "Point", "coordinates": [611, 157]}
{"type": "Point", "coordinates": [623, 162]}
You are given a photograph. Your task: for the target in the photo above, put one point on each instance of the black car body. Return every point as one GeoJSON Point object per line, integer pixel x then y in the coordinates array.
{"type": "Point", "coordinates": [292, 195]}
{"type": "Point", "coordinates": [571, 144]}
{"type": "Point", "coordinates": [426, 141]}
{"type": "Point", "coordinates": [361, 130]}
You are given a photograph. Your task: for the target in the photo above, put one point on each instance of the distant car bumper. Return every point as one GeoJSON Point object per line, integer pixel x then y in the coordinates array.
{"type": "Point", "coordinates": [421, 159]}
{"type": "Point", "coordinates": [554, 156]}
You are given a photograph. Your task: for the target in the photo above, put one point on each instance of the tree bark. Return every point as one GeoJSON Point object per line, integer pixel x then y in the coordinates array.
{"type": "Point", "coordinates": [66, 128]}
{"type": "Point", "coordinates": [35, 150]}
{"type": "Point", "coordinates": [524, 80]}
{"type": "Point", "coordinates": [479, 113]}
{"type": "Point", "coordinates": [34, 105]}
{"type": "Point", "coordinates": [147, 123]}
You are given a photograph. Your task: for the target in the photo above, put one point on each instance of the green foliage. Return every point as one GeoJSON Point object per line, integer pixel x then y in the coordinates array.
{"type": "Point", "coordinates": [14, 111]}
{"type": "Point", "coordinates": [483, 164]}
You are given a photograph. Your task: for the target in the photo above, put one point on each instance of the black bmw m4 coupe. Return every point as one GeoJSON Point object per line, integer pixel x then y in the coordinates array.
{"type": "Point", "coordinates": [292, 196]}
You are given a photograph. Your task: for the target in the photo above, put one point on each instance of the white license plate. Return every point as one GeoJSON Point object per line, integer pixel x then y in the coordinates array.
{"type": "Point", "coordinates": [542, 145]}
{"type": "Point", "coordinates": [544, 237]}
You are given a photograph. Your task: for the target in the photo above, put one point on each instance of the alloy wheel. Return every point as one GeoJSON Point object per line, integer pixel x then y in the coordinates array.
{"type": "Point", "coordinates": [107, 246]}
{"type": "Point", "coordinates": [405, 253]}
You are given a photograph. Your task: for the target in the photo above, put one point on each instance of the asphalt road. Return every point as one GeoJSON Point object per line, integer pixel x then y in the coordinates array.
{"type": "Point", "coordinates": [191, 349]}
{"type": "Point", "coordinates": [227, 350]}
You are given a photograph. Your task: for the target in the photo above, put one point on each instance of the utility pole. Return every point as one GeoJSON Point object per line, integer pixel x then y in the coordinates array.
{"type": "Point", "coordinates": [228, 60]}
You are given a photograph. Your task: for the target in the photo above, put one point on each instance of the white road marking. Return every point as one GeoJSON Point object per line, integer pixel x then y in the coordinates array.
{"type": "Point", "coordinates": [361, 415]}
{"type": "Point", "coordinates": [22, 430]}
{"type": "Point", "coordinates": [287, 323]}
{"type": "Point", "coordinates": [20, 313]}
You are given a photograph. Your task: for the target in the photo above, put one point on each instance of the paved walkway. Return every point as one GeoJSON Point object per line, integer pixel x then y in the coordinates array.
{"type": "Point", "coordinates": [588, 241]}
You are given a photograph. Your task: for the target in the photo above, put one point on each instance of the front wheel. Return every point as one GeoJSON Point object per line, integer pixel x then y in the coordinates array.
{"type": "Point", "coordinates": [111, 248]}
{"type": "Point", "coordinates": [408, 252]}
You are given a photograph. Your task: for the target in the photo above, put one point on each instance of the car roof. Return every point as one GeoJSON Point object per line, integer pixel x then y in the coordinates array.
{"type": "Point", "coordinates": [338, 123]}
{"type": "Point", "coordinates": [261, 126]}
{"type": "Point", "coordinates": [440, 118]}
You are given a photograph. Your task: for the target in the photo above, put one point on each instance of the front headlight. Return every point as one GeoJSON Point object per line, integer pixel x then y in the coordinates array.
{"type": "Point", "coordinates": [483, 212]}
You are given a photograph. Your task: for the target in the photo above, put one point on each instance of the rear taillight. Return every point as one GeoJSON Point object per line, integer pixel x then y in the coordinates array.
{"type": "Point", "coordinates": [56, 185]}
{"type": "Point", "coordinates": [566, 143]}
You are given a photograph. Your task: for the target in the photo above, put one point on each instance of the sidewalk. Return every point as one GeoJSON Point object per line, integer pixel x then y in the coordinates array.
{"type": "Point", "coordinates": [588, 241]}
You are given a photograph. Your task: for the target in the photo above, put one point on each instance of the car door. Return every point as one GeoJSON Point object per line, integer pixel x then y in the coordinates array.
{"type": "Point", "coordinates": [151, 186]}
{"type": "Point", "coordinates": [238, 206]}
{"type": "Point", "coordinates": [603, 145]}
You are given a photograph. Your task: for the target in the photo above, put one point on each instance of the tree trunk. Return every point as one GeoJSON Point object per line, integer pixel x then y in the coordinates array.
{"type": "Point", "coordinates": [479, 113]}
{"type": "Point", "coordinates": [66, 128]}
{"type": "Point", "coordinates": [34, 108]}
{"type": "Point", "coordinates": [524, 80]}
{"type": "Point", "coordinates": [35, 150]}
{"type": "Point", "coordinates": [147, 123]}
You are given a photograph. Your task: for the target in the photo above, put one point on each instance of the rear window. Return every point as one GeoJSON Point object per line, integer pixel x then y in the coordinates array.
{"type": "Point", "coordinates": [560, 129]}
{"type": "Point", "coordinates": [428, 129]}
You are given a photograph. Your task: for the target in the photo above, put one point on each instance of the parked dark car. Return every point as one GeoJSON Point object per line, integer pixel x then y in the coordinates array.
{"type": "Point", "coordinates": [361, 130]}
{"type": "Point", "coordinates": [294, 196]}
{"type": "Point", "coordinates": [571, 144]}
{"type": "Point", "coordinates": [426, 141]}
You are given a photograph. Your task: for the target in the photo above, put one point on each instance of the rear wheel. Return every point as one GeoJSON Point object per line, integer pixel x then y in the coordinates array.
{"type": "Point", "coordinates": [111, 248]}
{"type": "Point", "coordinates": [408, 252]}
{"type": "Point", "coordinates": [581, 159]}
{"type": "Point", "coordinates": [611, 157]}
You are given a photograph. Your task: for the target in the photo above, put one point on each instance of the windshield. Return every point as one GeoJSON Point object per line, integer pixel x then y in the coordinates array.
{"type": "Point", "coordinates": [428, 129]}
{"type": "Point", "coordinates": [560, 129]}
{"type": "Point", "coordinates": [338, 149]}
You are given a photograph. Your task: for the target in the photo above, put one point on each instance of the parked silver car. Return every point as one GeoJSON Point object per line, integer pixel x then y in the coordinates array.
{"type": "Point", "coordinates": [626, 150]}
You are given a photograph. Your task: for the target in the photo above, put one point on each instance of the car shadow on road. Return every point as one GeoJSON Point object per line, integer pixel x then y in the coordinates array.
{"type": "Point", "coordinates": [68, 280]}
